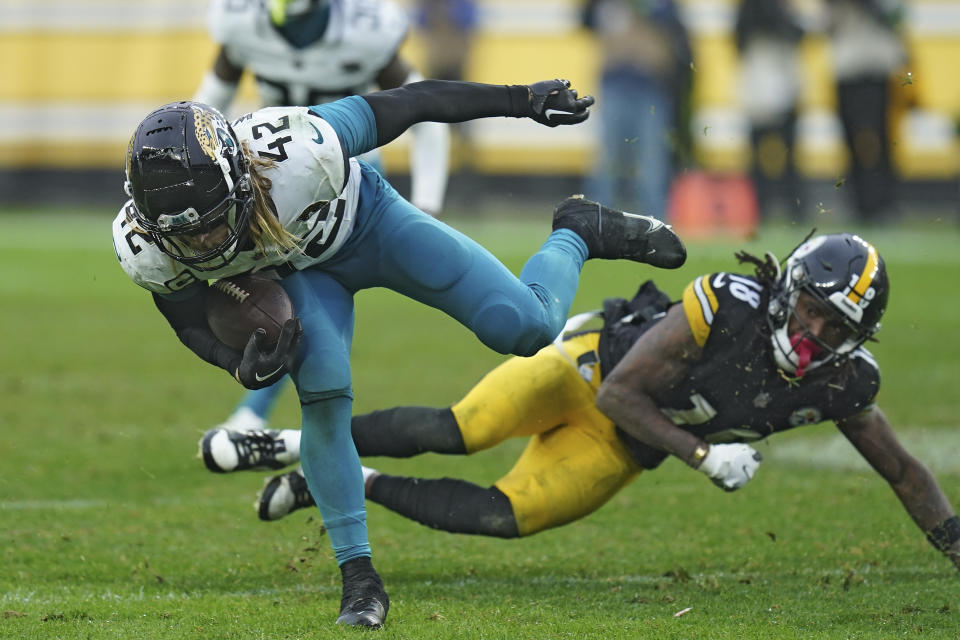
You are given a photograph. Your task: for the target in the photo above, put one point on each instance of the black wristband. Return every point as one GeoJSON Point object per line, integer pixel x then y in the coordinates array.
{"type": "Point", "coordinates": [945, 534]}
{"type": "Point", "coordinates": [519, 101]}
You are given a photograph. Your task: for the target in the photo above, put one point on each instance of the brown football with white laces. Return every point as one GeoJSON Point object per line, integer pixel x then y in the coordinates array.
{"type": "Point", "coordinates": [239, 305]}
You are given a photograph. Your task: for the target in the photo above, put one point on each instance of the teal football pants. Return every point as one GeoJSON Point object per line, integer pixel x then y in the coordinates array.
{"type": "Point", "coordinates": [395, 245]}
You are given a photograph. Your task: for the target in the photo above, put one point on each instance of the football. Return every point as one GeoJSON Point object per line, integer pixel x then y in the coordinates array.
{"type": "Point", "coordinates": [239, 305]}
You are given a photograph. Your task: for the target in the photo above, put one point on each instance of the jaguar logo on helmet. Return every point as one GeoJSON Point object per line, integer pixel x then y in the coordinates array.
{"type": "Point", "coordinates": [212, 133]}
{"type": "Point", "coordinates": [845, 273]}
{"type": "Point", "coordinates": [227, 143]}
{"type": "Point", "coordinates": [206, 132]}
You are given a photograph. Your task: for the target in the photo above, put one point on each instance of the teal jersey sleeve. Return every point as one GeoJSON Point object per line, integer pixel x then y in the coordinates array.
{"type": "Point", "coordinates": [353, 121]}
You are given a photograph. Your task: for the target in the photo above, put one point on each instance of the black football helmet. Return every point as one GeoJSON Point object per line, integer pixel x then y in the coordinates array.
{"type": "Point", "coordinates": [845, 273]}
{"type": "Point", "coordinates": [190, 185]}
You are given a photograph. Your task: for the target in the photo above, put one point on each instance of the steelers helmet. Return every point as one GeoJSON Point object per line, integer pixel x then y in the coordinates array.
{"type": "Point", "coordinates": [190, 185]}
{"type": "Point", "coordinates": [847, 275]}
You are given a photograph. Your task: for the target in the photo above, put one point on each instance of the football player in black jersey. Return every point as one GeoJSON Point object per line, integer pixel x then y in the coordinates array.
{"type": "Point", "coordinates": [739, 358]}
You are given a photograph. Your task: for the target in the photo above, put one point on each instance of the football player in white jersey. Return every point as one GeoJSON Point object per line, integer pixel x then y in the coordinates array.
{"type": "Point", "coordinates": [307, 52]}
{"type": "Point", "coordinates": [280, 192]}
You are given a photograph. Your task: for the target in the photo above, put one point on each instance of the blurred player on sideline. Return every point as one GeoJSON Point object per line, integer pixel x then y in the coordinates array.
{"type": "Point", "coordinates": [740, 358]}
{"type": "Point", "coordinates": [308, 52]}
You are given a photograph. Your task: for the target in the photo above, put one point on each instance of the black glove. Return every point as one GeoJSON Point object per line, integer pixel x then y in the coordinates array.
{"type": "Point", "coordinates": [553, 102]}
{"type": "Point", "coordinates": [260, 368]}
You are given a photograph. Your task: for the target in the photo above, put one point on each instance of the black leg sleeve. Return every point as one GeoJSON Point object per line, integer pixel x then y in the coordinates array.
{"type": "Point", "coordinates": [402, 432]}
{"type": "Point", "coordinates": [447, 504]}
{"type": "Point", "coordinates": [395, 110]}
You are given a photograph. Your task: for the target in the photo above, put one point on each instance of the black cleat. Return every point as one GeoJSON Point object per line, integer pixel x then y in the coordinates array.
{"type": "Point", "coordinates": [282, 495]}
{"type": "Point", "coordinates": [365, 602]}
{"type": "Point", "coordinates": [614, 235]}
{"type": "Point", "coordinates": [223, 450]}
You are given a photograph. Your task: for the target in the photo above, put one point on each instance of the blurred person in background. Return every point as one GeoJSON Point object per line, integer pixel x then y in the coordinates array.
{"type": "Point", "coordinates": [868, 47]}
{"type": "Point", "coordinates": [308, 52]}
{"type": "Point", "coordinates": [644, 80]}
{"type": "Point", "coordinates": [448, 28]}
{"type": "Point", "coordinates": [739, 358]}
{"type": "Point", "coordinates": [768, 36]}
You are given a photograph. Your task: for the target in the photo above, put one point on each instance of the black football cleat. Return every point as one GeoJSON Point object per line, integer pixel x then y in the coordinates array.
{"type": "Point", "coordinates": [224, 451]}
{"type": "Point", "coordinates": [282, 495]}
{"type": "Point", "coordinates": [365, 602]}
{"type": "Point", "coordinates": [614, 235]}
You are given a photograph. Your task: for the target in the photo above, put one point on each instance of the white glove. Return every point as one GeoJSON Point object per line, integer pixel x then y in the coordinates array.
{"type": "Point", "coordinates": [730, 466]}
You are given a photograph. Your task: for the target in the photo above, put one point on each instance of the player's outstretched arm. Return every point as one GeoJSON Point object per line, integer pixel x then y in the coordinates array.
{"type": "Point", "coordinates": [914, 484]}
{"type": "Point", "coordinates": [550, 102]}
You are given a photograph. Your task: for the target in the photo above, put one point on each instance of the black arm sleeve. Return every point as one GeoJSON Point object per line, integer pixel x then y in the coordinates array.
{"type": "Point", "coordinates": [444, 101]}
{"type": "Point", "coordinates": [189, 321]}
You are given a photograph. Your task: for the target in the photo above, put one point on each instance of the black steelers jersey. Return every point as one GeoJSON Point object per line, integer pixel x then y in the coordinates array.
{"type": "Point", "coordinates": [735, 392]}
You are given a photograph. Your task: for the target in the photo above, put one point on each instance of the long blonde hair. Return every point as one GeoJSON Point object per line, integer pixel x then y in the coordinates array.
{"type": "Point", "coordinates": [265, 227]}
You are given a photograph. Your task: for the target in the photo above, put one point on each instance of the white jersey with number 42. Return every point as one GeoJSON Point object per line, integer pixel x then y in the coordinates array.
{"type": "Point", "coordinates": [314, 187]}
{"type": "Point", "coordinates": [362, 36]}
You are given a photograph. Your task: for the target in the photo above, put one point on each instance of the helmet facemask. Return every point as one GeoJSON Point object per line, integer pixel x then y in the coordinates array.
{"type": "Point", "coordinates": [190, 186]}
{"type": "Point", "coordinates": [207, 242]}
{"type": "Point", "coordinates": [843, 280]}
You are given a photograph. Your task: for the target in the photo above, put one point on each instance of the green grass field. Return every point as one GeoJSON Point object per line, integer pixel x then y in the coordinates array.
{"type": "Point", "coordinates": [112, 528]}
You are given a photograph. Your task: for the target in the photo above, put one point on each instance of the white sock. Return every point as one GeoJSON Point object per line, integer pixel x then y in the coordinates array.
{"type": "Point", "coordinates": [291, 441]}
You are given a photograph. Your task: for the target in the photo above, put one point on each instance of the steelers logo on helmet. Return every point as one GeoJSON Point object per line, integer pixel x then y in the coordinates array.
{"type": "Point", "coordinates": [842, 274]}
{"type": "Point", "coordinates": [189, 184]}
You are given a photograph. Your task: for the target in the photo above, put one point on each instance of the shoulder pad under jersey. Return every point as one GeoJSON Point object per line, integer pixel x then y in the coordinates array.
{"type": "Point", "coordinates": [866, 376]}
{"type": "Point", "coordinates": [711, 295]}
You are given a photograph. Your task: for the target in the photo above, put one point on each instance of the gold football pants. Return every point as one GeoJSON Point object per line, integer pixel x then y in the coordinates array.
{"type": "Point", "coordinates": [574, 461]}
